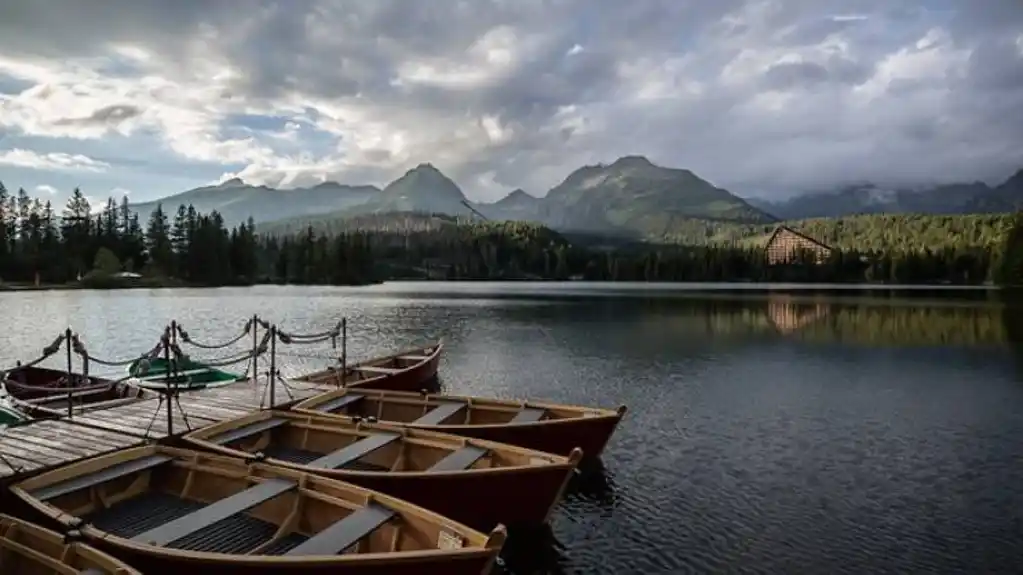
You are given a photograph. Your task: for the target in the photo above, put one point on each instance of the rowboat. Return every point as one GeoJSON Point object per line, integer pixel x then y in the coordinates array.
{"type": "Point", "coordinates": [164, 508]}
{"type": "Point", "coordinates": [546, 427]}
{"type": "Point", "coordinates": [408, 370]}
{"type": "Point", "coordinates": [475, 482]}
{"type": "Point", "coordinates": [156, 374]}
{"type": "Point", "coordinates": [29, 549]}
{"type": "Point", "coordinates": [9, 415]}
{"type": "Point", "coordinates": [42, 392]}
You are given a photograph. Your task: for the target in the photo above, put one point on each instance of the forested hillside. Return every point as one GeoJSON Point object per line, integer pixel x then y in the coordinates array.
{"type": "Point", "coordinates": [182, 245]}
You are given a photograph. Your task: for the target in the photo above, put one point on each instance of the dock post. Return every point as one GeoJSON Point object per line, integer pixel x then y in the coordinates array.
{"type": "Point", "coordinates": [273, 363]}
{"type": "Point", "coordinates": [255, 349]}
{"type": "Point", "coordinates": [344, 350]}
{"type": "Point", "coordinates": [167, 357]}
{"type": "Point", "coordinates": [70, 381]}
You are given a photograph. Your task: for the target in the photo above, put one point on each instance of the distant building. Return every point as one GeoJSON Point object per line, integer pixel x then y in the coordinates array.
{"type": "Point", "coordinates": [786, 242]}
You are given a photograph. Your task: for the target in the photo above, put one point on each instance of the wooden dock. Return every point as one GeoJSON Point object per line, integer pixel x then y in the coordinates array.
{"type": "Point", "coordinates": [43, 444]}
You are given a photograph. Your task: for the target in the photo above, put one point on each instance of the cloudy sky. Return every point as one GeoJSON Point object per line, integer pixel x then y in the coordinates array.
{"type": "Point", "coordinates": [152, 97]}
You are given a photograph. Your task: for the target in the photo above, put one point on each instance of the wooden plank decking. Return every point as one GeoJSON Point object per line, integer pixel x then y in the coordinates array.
{"type": "Point", "coordinates": [48, 443]}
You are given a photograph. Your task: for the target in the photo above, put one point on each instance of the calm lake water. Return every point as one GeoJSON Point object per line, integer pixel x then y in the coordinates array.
{"type": "Point", "coordinates": [767, 432]}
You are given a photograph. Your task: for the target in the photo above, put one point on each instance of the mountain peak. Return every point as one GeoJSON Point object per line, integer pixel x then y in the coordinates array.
{"type": "Point", "coordinates": [232, 183]}
{"type": "Point", "coordinates": [632, 162]}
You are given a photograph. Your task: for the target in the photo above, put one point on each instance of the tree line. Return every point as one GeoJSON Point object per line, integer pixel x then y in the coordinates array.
{"type": "Point", "coordinates": [38, 244]}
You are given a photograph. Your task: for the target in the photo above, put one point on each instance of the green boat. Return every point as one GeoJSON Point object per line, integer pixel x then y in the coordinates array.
{"type": "Point", "coordinates": [153, 374]}
{"type": "Point", "coordinates": [9, 415]}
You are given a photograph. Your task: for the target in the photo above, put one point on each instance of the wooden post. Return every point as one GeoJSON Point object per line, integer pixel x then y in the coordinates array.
{"type": "Point", "coordinates": [255, 349]}
{"type": "Point", "coordinates": [344, 350]}
{"type": "Point", "coordinates": [167, 381]}
{"type": "Point", "coordinates": [273, 363]}
{"type": "Point", "coordinates": [70, 384]}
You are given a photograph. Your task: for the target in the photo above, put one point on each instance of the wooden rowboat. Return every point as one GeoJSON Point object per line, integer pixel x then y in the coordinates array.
{"type": "Point", "coordinates": [163, 508]}
{"type": "Point", "coordinates": [42, 392]}
{"type": "Point", "coordinates": [409, 370]}
{"type": "Point", "coordinates": [28, 549]}
{"type": "Point", "coordinates": [478, 483]}
{"type": "Point", "coordinates": [155, 374]}
{"type": "Point", "coordinates": [8, 414]}
{"type": "Point", "coordinates": [542, 426]}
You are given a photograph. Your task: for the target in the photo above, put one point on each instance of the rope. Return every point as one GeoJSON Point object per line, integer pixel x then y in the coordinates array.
{"type": "Point", "coordinates": [307, 355]}
{"type": "Point", "coordinates": [79, 348]}
{"type": "Point", "coordinates": [308, 338]}
{"type": "Point", "coordinates": [262, 348]}
{"type": "Point", "coordinates": [185, 338]}
{"type": "Point", "coordinates": [47, 352]}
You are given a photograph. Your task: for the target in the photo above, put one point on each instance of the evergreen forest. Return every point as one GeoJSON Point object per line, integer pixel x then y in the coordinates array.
{"type": "Point", "coordinates": [82, 244]}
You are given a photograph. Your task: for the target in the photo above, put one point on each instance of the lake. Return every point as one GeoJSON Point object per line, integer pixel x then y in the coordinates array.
{"type": "Point", "coordinates": [801, 430]}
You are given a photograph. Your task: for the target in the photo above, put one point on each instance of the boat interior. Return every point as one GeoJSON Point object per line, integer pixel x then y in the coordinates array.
{"type": "Point", "coordinates": [335, 444]}
{"type": "Point", "coordinates": [27, 549]}
{"type": "Point", "coordinates": [422, 409]}
{"type": "Point", "coordinates": [390, 365]}
{"type": "Point", "coordinates": [190, 501]}
{"type": "Point", "coordinates": [49, 390]}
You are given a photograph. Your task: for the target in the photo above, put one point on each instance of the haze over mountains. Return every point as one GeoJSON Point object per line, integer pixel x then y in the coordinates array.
{"type": "Point", "coordinates": [630, 196]}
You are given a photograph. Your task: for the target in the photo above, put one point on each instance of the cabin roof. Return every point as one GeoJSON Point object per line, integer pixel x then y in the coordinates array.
{"type": "Point", "coordinates": [779, 229]}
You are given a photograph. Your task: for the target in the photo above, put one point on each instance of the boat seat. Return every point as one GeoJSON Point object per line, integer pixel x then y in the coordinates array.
{"type": "Point", "coordinates": [413, 357]}
{"type": "Point", "coordinates": [350, 453]}
{"type": "Point", "coordinates": [247, 430]}
{"type": "Point", "coordinates": [340, 402]}
{"type": "Point", "coordinates": [74, 395]}
{"type": "Point", "coordinates": [440, 413]}
{"type": "Point", "coordinates": [459, 460]}
{"type": "Point", "coordinates": [346, 532]}
{"type": "Point", "coordinates": [242, 501]}
{"type": "Point", "coordinates": [379, 369]}
{"type": "Point", "coordinates": [102, 476]}
{"type": "Point", "coordinates": [166, 374]}
{"type": "Point", "coordinates": [528, 415]}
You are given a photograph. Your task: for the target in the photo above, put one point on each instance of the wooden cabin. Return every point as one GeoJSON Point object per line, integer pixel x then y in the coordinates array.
{"type": "Point", "coordinates": [786, 242]}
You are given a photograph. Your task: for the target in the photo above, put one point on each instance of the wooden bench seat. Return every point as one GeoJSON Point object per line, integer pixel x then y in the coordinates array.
{"type": "Point", "coordinates": [528, 415]}
{"type": "Point", "coordinates": [350, 453]}
{"type": "Point", "coordinates": [379, 369]}
{"type": "Point", "coordinates": [413, 357]}
{"type": "Point", "coordinates": [459, 460]}
{"type": "Point", "coordinates": [242, 501]}
{"type": "Point", "coordinates": [438, 414]}
{"type": "Point", "coordinates": [248, 430]}
{"type": "Point", "coordinates": [346, 532]}
{"type": "Point", "coordinates": [339, 403]}
{"type": "Point", "coordinates": [166, 374]}
{"type": "Point", "coordinates": [102, 476]}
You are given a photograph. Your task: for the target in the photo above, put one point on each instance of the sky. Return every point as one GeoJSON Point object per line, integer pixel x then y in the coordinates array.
{"type": "Point", "coordinates": [763, 97]}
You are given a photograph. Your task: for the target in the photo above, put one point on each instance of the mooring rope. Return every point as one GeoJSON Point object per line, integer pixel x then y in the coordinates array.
{"type": "Point", "coordinates": [47, 352]}
{"type": "Point", "coordinates": [262, 348]}
{"type": "Point", "coordinates": [310, 338]}
{"type": "Point", "coordinates": [187, 339]}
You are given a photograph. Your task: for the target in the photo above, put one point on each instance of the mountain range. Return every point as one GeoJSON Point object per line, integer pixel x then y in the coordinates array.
{"type": "Point", "coordinates": [630, 197]}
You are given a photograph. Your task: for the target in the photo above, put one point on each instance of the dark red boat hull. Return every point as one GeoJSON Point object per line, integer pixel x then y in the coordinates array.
{"type": "Point", "coordinates": [590, 434]}
{"type": "Point", "coordinates": [523, 498]}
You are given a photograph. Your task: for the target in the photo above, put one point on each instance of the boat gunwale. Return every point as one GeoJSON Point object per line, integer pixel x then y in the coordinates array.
{"type": "Point", "coordinates": [477, 543]}
{"type": "Point", "coordinates": [308, 406]}
{"type": "Point", "coordinates": [203, 439]}
{"type": "Point", "coordinates": [332, 372]}
{"type": "Point", "coordinates": [80, 548]}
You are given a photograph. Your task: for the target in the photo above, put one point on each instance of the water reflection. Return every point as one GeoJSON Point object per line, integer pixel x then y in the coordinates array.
{"type": "Point", "coordinates": [533, 552]}
{"type": "Point", "coordinates": [593, 485]}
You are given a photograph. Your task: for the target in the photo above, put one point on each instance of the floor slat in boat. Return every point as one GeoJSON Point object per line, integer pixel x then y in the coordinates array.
{"type": "Point", "coordinates": [236, 534]}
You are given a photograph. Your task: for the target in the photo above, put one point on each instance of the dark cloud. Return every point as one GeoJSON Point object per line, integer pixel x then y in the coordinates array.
{"type": "Point", "coordinates": [750, 94]}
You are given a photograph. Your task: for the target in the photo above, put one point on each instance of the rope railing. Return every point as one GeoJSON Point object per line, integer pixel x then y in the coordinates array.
{"type": "Point", "coordinates": [79, 348]}
{"type": "Point", "coordinates": [310, 338]}
{"type": "Point", "coordinates": [260, 349]}
{"type": "Point", "coordinates": [246, 330]}
{"type": "Point", "coordinates": [48, 351]}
